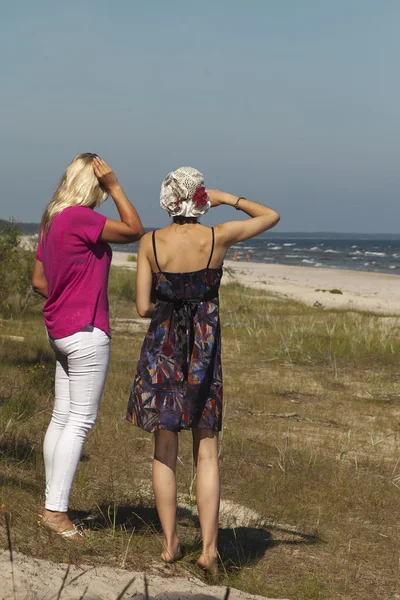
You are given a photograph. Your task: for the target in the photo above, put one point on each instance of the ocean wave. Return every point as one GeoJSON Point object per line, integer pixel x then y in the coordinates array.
{"type": "Point", "coordinates": [393, 266]}
{"type": "Point", "coordinates": [355, 246]}
{"type": "Point", "coordinates": [275, 247]}
{"type": "Point", "coordinates": [332, 251]}
{"type": "Point", "coordinates": [294, 256]}
{"type": "Point", "coordinates": [369, 253]}
{"type": "Point", "coordinates": [291, 244]}
{"type": "Point", "coordinates": [319, 265]}
{"type": "Point", "coordinates": [307, 261]}
{"type": "Point", "coordinates": [356, 253]}
{"type": "Point", "coordinates": [313, 249]}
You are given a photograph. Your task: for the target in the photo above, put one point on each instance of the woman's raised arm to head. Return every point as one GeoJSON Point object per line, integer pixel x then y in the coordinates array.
{"type": "Point", "coordinates": [129, 228]}
{"type": "Point", "coordinates": [231, 232]}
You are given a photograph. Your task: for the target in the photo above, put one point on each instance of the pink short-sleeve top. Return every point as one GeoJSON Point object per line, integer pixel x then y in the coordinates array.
{"type": "Point", "coordinates": [76, 266]}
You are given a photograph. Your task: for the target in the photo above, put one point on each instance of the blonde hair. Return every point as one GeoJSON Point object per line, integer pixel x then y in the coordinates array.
{"type": "Point", "coordinates": [79, 186]}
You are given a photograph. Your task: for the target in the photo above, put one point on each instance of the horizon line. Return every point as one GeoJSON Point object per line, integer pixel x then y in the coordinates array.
{"type": "Point", "coordinates": [287, 232]}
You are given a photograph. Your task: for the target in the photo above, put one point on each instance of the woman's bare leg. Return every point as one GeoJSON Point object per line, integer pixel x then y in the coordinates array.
{"type": "Point", "coordinates": [205, 454]}
{"type": "Point", "coordinates": [164, 486]}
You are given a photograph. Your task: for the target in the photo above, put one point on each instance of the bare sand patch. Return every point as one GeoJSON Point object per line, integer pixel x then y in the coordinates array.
{"type": "Point", "coordinates": [37, 579]}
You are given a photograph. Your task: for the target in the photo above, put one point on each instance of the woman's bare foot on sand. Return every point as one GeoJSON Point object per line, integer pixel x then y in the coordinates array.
{"type": "Point", "coordinates": [208, 562]}
{"type": "Point", "coordinates": [172, 552]}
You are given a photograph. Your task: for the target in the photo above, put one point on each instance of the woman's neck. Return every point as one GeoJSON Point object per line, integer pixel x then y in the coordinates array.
{"type": "Point", "coordinates": [184, 220]}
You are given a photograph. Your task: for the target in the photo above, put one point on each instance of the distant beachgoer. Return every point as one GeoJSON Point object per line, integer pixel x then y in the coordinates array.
{"type": "Point", "coordinates": [248, 257]}
{"type": "Point", "coordinates": [235, 256]}
{"type": "Point", "coordinates": [178, 384]}
{"type": "Point", "coordinates": [71, 271]}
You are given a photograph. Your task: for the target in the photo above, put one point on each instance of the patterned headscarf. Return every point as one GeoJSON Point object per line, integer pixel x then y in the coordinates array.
{"type": "Point", "coordinates": [183, 193]}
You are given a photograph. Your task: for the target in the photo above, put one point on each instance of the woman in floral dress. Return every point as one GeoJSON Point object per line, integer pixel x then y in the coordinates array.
{"type": "Point", "coordinates": [178, 384]}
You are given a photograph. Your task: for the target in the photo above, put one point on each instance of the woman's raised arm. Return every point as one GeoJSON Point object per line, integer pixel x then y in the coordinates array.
{"type": "Point", "coordinates": [129, 228]}
{"type": "Point", "coordinates": [262, 218]}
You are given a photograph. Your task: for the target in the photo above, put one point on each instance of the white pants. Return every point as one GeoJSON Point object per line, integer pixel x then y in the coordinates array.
{"type": "Point", "coordinates": [81, 371]}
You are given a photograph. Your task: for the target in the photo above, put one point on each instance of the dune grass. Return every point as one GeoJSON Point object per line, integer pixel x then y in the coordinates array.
{"type": "Point", "coordinates": [310, 449]}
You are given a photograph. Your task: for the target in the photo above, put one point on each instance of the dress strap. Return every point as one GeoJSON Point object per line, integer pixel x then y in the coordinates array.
{"type": "Point", "coordinates": [154, 250]}
{"type": "Point", "coordinates": [212, 247]}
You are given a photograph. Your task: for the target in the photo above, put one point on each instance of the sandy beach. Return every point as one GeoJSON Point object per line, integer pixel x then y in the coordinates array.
{"type": "Point", "coordinates": [360, 290]}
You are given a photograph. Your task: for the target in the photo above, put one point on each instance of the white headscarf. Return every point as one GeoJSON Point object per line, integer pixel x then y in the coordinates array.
{"type": "Point", "coordinates": [183, 193]}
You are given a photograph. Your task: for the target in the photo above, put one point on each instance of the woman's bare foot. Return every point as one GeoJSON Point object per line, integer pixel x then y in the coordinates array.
{"type": "Point", "coordinates": [172, 552]}
{"type": "Point", "coordinates": [208, 562]}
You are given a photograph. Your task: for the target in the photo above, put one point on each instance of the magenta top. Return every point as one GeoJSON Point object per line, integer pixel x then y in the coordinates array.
{"type": "Point", "coordinates": [76, 267]}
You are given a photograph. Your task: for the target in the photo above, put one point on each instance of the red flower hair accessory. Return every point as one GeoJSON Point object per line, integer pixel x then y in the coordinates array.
{"type": "Point", "coordinates": [200, 197]}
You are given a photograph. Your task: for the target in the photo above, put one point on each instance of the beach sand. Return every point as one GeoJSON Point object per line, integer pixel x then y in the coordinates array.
{"type": "Point", "coordinates": [360, 290]}
{"type": "Point", "coordinates": [37, 579]}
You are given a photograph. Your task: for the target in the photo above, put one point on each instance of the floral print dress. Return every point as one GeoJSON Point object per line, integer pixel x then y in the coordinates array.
{"type": "Point", "coordinates": [178, 384]}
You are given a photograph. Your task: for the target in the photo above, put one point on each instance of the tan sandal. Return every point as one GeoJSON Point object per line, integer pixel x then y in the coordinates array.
{"type": "Point", "coordinates": [68, 534]}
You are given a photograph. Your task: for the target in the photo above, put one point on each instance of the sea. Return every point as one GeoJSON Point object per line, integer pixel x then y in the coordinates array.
{"type": "Point", "coordinates": [359, 252]}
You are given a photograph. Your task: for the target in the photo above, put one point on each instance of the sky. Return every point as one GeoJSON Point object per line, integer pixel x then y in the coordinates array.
{"type": "Point", "coordinates": [293, 103]}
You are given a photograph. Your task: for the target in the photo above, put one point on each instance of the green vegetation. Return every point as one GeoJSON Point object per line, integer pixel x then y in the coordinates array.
{"type": "Point", "coordinates": [122, 285]}
{"type": "Point", "coordinates": [131, 258]}
{"type": "Point", "coordinates": [16, 264]}
{"type": "Point", "coordinates": [310, 448]}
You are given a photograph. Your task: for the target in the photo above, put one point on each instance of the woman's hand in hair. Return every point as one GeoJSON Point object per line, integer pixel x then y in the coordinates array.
{"type": "Point", "coordinates": [105, 174]}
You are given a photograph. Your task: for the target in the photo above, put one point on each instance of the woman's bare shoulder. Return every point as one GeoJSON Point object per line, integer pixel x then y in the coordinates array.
{"type": "Point", "coordinates": [146, 242]}
{"type": "Point", "coordinates": [146, 238]}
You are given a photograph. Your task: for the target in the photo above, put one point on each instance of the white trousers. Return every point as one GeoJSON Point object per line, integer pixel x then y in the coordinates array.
{"type": "Point", "coordinates": [81, 371]}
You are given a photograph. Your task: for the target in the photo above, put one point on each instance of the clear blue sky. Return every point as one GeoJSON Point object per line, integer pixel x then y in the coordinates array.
{"type": "Point", "coordinates": [294, 103]}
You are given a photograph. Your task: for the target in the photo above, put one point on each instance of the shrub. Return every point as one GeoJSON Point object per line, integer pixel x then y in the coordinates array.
{"type": "Point", "coordinates": [16, 264]}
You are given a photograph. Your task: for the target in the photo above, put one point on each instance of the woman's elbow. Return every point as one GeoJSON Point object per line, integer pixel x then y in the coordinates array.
{"type": "Point", "coordinates": [37, 284]}
{"type": "Point", "coordinates": [275, 218]}
{"type": "Point", "coordinates": [40, 289]}
{"type": "Point", "coordinates": [135, 234]}
{"type": "Point", "coordinates": [142, 310]}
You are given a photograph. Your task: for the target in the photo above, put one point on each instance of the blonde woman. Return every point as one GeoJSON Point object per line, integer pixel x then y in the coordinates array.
{"type": "Point", "coordinates": [178, 384]}
{"type": "Point", "coordinates": [71, 271]}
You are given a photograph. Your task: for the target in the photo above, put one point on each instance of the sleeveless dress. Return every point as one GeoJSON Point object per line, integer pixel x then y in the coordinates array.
{"type": "Point", "coordinates": [178, 384]}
